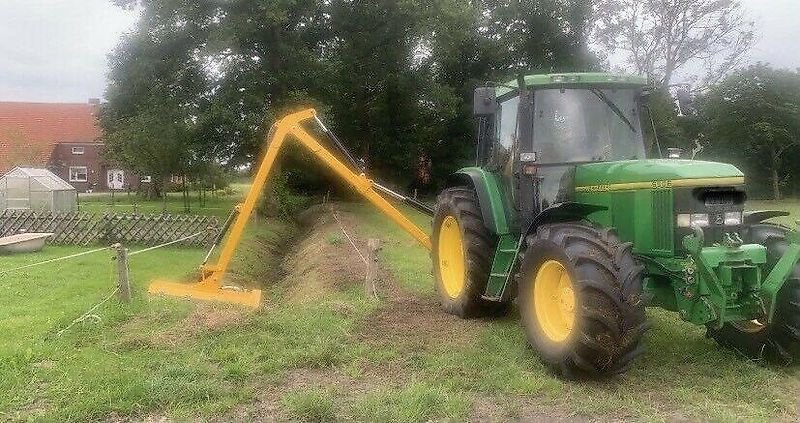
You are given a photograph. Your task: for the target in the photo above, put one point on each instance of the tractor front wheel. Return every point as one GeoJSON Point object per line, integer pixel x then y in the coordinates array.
{"type": "Point", "coordinates": [462, 254]}
{"type": "Point", "coordinates": [779, 341]}
{"type": "Point", "coordinates": [580, 299]}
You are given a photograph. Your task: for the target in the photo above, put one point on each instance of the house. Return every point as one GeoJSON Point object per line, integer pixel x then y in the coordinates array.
{"type": "Point", "coordinates": [63, 137]}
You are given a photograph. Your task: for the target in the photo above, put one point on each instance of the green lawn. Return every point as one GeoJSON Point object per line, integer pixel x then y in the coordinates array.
{"type": "Point", "coordinates": [123, 202]}
{"type": "Point", "coordinates": [790, 205]}
{"type": "Point", "coordinates": [313, 361]}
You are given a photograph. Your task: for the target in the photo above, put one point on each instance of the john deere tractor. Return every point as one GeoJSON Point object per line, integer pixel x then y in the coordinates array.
{"type": "Point", "coordinates": [570, 211]}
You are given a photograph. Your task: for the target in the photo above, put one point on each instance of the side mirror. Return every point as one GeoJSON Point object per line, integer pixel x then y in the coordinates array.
{"type": "Point", "coordinates": [674, 152]}
{"type": "Point", "coordinates": [485, 101]}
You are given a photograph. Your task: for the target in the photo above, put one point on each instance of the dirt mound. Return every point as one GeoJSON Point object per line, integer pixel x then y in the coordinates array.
{"type": "Point", "coordinates": [324, 261]}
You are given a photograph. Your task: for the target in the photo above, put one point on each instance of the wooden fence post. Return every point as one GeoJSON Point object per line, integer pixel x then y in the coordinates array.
{"type": "Point", "coordinates": [122, 273]}
{"type": "Point", "coordinates": [370, 288]}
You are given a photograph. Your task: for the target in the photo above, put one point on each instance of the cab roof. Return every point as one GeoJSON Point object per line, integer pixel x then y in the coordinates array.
{"type": "Point", "coordinates": [573, 79]}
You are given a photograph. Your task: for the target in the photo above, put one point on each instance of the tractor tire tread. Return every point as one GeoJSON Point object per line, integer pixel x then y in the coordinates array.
{"type": "Point", "coordinates": [479, 245]}
{"type": "Point", "coordinates": [615, 321]}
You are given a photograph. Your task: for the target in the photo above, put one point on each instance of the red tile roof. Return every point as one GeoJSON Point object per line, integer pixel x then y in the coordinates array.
{"type": "Point", "coordinates": [29, 131]}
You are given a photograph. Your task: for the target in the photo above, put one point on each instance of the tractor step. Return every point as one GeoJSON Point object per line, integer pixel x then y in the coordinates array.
{"type": "Point", "coordinates": [504, 258]}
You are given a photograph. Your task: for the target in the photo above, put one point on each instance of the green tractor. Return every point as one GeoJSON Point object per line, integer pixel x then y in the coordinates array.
{"type": "Point", "coordinates": [570, 211]}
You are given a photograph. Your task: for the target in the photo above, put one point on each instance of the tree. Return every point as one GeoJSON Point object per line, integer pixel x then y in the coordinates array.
{"type": "Point", "coordinates": [661, 37]}
{"type": "Point", "coordinates": [156, 91]}
{"type": "Point", "coordinates": [393, 78]}
{"type": "Point", "coordinates": [754, 117]}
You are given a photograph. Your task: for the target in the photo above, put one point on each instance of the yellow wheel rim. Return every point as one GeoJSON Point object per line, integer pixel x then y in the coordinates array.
{"type": "Point", "coordinates": [554, 301]}
{"type": "Point", "coordinates": [452, 267]}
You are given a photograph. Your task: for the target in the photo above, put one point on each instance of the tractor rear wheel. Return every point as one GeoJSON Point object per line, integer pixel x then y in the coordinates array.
{"type": "Point", "coordinates": [462, 254]}
{"type": "Point", "coordinates": [580, 299]}
{"type": "Point", "coordinates": [779, 341]}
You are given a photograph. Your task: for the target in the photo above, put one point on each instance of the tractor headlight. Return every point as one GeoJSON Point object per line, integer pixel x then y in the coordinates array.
{"type": "Point", "coordinates": [733, 218]}
{"type": "Point", "coordinates": [694, 219]}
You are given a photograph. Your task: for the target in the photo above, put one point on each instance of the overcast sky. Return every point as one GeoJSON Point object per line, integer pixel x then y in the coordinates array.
{"type": "Point", "coordinates": [55, 50]}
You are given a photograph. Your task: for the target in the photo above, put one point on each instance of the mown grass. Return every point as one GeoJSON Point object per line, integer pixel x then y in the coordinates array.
{"type": "Point", "coordinates": [156, 356]}
{"type": "Point", "coordinates": [165, 357]}
{"type": "Point", "coordinates": [418, 402]}
{"type": "Point", "coordinates": [316, 405]}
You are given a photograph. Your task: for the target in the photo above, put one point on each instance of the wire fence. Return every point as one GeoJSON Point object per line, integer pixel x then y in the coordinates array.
{"type": "Point", "coordinates": [122, 284]}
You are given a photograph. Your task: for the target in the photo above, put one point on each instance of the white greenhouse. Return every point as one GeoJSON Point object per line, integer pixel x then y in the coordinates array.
{"type": "Point", "coordinates": [25, 188]}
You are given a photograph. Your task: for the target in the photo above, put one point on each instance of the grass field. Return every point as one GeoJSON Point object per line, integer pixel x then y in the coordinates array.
{"type": "Point", "coordinates": [122, 202]}
{"type": "Point", "coordinates": [790, 205]}
{"type": "Point", "coordinates": [320, 351]}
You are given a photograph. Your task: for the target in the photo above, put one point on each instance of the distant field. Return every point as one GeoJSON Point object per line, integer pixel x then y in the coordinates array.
{"type": "Point", "coordinates": [122, 202]}
{"type": "Point", "coordinates": [790, 205]}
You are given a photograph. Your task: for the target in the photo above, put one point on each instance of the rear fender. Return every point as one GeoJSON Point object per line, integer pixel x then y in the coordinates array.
{"type": "Point", "coordinates": [490, 197]}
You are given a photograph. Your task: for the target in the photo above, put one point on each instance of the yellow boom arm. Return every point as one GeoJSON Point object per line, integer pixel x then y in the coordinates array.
{"type": "Point", "coordinates": [210, 285]}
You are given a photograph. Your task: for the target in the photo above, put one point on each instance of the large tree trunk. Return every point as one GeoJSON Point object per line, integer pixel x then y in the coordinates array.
{"type": "Point", "coordinates": [776, 184]}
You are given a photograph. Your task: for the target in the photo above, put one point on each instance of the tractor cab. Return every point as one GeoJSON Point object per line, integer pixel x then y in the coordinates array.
{"type": "Point", "coordinates": [535, 137]}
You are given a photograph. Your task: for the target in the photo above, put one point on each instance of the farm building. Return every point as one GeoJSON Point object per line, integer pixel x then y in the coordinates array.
{"type": "Point", "coordinates": [36, 189]}
{"type": "Point", "coordinates": [65, 138]}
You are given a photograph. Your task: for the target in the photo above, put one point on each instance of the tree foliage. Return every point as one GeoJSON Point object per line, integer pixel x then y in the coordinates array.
{"type": "Point", "coordinates": [754, 120]}
{"type": "Point", "coordinates": [394, 78]}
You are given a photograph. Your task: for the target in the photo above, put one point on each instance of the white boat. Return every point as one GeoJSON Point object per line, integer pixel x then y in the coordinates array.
{"type": "Point", "coordinates": [23, 243]}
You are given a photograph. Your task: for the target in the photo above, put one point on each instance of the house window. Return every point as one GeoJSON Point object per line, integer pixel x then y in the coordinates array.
{"type": "Point", "coordinates": [78, 174]}
{"type": "Point", "coordinates": [77, 151]}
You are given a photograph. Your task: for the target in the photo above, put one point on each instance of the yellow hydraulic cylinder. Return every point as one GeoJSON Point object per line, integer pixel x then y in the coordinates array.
{"type": "Point", "coordinates": [210, 285]}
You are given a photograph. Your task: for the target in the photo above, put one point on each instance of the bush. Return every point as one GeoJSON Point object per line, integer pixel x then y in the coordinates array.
{"type": "Point", "coordinates": [281, 200]}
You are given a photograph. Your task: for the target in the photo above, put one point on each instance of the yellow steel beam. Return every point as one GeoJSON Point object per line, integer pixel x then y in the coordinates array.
{"type": "Point", "coordinates": [210, 286]}
{"type": "Point", "coordinates": [362, 185]}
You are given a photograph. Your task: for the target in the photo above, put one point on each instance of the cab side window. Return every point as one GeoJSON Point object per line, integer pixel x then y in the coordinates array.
{"type": "Point", "coordinates": [506, 136]}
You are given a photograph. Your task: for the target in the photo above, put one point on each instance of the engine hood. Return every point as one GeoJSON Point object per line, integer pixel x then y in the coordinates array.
{"type": "Point", "coordinates": [653, 174]}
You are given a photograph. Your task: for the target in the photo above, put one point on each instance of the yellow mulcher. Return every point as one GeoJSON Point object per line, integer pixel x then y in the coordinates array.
{"type": "Point", "coordinates": [210, 287]}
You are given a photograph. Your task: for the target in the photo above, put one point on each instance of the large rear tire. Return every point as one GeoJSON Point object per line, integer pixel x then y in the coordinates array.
{"type": "Point", "coordinates": [779, 341]}
{"type": "Point", "coordinates": [580, 299]}
{"type": "Point", "coordinates": [463, 249]}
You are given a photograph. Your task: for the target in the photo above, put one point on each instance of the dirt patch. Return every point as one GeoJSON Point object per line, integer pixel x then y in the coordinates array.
{"type": "Point", "coordinates": [204, 317]}
{"type": "Point", "coordinates": [327, 261]}
{"type": "Point", "coordinates": [114, 418]}
{"type": "Point", "coordinates": [414, 322]}
{"type": "Point", "coordinates": [267, 405]}
{"type": "Point", "coordinates": [323, 262]}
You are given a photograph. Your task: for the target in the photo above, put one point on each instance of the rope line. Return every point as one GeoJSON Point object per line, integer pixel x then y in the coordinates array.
{"type": "Point", "coordinates": [364, 259]}
{"type": "Point", "coordinates": [88, 313]}
{"type": "Point", "coordinates": [2, 272]}
{"type": "Point", "coordinates": [352, 243]}
{"type": "Point", "coordinates": [166, 244]}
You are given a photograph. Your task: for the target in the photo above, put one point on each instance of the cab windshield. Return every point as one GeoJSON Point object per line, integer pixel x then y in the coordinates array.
{"type": "Point", "coordinates": [588, 124]}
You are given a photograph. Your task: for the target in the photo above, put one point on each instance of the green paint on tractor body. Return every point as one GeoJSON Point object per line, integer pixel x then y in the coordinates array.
{"type": "Point", "coordinates": [701, 269]}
